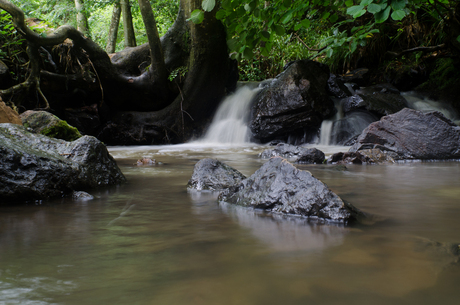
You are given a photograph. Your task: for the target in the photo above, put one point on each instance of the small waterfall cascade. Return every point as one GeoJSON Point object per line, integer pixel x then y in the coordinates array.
{"type": "Point", "coordinates": [423, 103]}
{"type": "Point", "coordinates": [327, 125]}
{"type": "Point", "coordinates": [230, 123]}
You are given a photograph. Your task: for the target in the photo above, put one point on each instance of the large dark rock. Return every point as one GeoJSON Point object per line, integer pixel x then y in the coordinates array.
{"type": "Point", "coordinates": [211, 174]}
{"type": "Point", "coordinates": [280, 187]}
{"type": "Point", "coordinates": [296, 154]}
{"type": "Point", "coordinates": [33, 166]}
{"type": "Point", "coordinates": [295, 102]}
{"type": "Point", "coordinates": [411, 134]}
{"type": "Point", "coordinates": [382, 99]}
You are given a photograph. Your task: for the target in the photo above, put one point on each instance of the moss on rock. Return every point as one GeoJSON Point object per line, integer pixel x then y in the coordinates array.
{"type": "Point", "coordinates": [47, 124]}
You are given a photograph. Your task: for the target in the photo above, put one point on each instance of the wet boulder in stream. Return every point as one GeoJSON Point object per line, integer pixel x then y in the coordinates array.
{"type": "Point", "coordinates": [294, 103]}
{"type": "Point", "coordinates": [296, 154]}
{"type": "Point", "coordinates": [280, 187]}
{"type": "Point", "coordinates": [412, 134]}
{"type": "Point", "coordinates": [34, 166]}
{"type": "Point", "coordinates": [211, 174]}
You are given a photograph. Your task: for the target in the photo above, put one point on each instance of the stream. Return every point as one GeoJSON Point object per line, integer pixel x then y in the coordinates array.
{"type": "Point", "coordinates": [150, 241]}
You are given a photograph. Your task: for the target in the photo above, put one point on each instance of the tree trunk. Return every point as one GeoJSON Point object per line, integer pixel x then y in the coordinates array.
{"type": "Point", "coordinates": [82, 20]}
{"type": "Point", "coordinates": [138, 105]}
{"type": "Point", "coordinates": [113, 28]}
{"type": "Point", "coordinates": [157, 64]}
{"type": "Point", "coordinates": [128, 28]}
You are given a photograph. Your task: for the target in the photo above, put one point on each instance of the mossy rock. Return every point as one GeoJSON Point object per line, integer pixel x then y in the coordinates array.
{"type": "Point", "coordinates": [47, 124]}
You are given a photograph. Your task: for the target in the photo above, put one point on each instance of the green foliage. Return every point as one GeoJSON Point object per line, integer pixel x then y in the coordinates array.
{"type": "Point", "coordinates": [180, 71]}
{"type": "Point", "coordinates": [11, 43]}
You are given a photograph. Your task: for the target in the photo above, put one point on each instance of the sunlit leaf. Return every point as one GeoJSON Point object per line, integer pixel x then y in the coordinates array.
{"type": "Point", "coordinates": [398, 15]}
{"type": "Point", "coordinates": [374, 8]}
{"type": "Point", "coordinates": [197, 16]}
{"type": "Point", "coordinates": [354, 9]}
{"type": "Point", "coordinates": [208, 5]}
{"type": "Point", "coordinates": [366, 2]}
{"type": "Point", "coordinates": [359, 14]}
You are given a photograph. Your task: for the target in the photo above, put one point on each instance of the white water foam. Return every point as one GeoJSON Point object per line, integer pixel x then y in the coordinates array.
{"type": "Point", "coordinates": [230, 123]}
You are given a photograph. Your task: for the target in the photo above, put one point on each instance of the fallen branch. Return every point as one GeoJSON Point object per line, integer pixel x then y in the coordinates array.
{"type": "Point", "coordinates": [394, 55]}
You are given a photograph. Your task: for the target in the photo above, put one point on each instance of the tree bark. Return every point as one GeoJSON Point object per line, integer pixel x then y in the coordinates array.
{"type": "Point", "coordinates": [82, 18]}
{"type": "Point", "coordinates": [157, 63]}
{"type": "Point", "coordinates": [128, 28]}
{"type": "Point", "coordinates": [113, 28]}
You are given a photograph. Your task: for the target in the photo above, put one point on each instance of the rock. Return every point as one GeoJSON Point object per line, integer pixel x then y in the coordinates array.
{"type": "Point", "coordinates": [33, 166]}
{"type": "Point", "coordinates": [82, 196]}
{"type": "Point", "coordinates": [145, 161]}
{"type": "Point", "coordinates": [412, 134]}
{"type": "Point", "coordinates": [294, 103]}
{"type": "Point", "coordinates": [211, 174]}
{"type": "Point", "coordinates": [296, 154]}
{"type": "Point", "coordinates": [281, 188]}
{"type": "Point", "coordinates": [47, 124]}
{"type": "Point", "coordinates": [8, 115]}
{"type": "Point", "coordinates": [380, 100]}
{"type": "Point", "coordinates": [336, 87]}
{"type": "Point", "coordinates": [365, 156]}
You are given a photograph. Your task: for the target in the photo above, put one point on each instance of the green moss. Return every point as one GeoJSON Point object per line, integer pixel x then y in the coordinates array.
{"type": "Point", "coordinates": [63, 131]}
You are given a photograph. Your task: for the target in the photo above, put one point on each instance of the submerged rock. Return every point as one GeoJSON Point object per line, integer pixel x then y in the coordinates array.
{"type": "Point", "coordinates": [294, 103]}
{"type": "Point", "coordinates": [211, 174]}
{"type": "Point", "coordinates": [296, 154]}
{"type": "Point", "coordinates": [33, 166]}
{"type": "Point", "coordinates": [280, 187]}
{"type": "Point", "coordinates": [412, 134]}
{"type": "Point", "coordinates": [365, 156]}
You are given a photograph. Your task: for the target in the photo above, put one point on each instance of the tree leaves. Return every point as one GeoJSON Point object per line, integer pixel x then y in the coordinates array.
{"type": "Point", "coordinates": [382, 16]}
{"type": "Point", "coordinates": [398, 15]}
{"type": "Point", "coordinates": [208, 5]}
{"type": "Point", "coordinates": [374, 8]}
{"type": "Point", "coordinates": [197, 16]}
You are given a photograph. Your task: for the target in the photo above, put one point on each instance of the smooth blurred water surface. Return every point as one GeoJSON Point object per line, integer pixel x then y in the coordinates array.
{"type": "Point", "coordinates": [153, 242]}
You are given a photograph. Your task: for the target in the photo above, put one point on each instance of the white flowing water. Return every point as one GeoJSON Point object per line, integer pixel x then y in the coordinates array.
{"type": "Point", "coordinates": [230, 124]}
{"type": "Point", "coordinates": [423, 103]}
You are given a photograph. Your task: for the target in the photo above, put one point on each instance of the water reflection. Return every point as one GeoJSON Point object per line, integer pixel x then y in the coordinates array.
{"type": "Point", "coordinates": [152, 242]}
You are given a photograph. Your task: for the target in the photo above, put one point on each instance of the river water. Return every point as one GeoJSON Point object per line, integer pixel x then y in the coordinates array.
{"type": "Point", "coordinates": [151, 241]}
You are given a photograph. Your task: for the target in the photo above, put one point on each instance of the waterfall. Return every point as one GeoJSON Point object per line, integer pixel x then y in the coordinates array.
{"type": "Point", "coordinates": [326, 132]}
{"type": "Point", "coordinates": [419, 102]}
{"type": "Point", "coordinates": [230, 123]}
{"type": "Point", "coordinates": [326, 129]}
